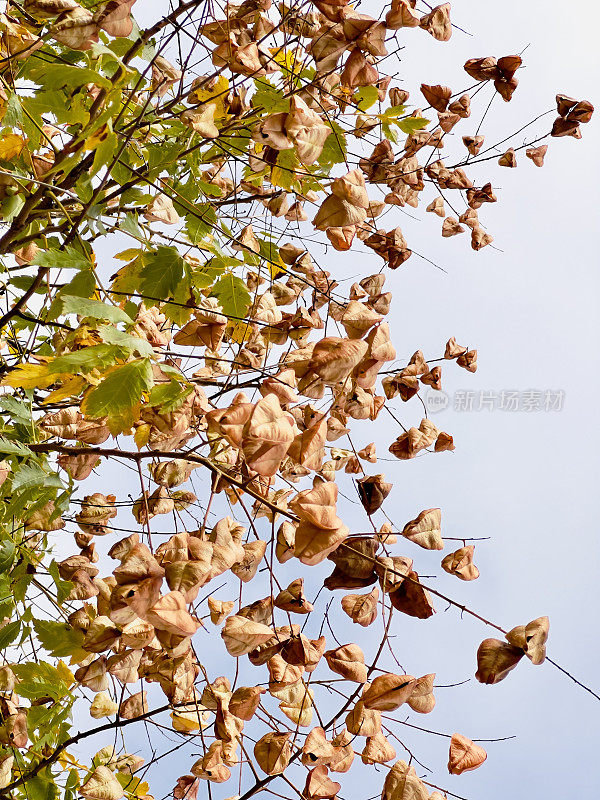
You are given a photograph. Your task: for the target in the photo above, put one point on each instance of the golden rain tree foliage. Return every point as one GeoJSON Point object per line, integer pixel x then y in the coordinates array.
{"type": "Point", "coordinates": [221, 370]}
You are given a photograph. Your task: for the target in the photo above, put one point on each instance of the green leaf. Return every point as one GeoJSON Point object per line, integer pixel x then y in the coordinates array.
{"type": "Point", "coordinates": [13, 113]}
{"type": "Point", "coordinates": [10, 206]}
{"type": "Point", "coordinates": [69, 258]}
{"type": "Point", "coordinates": [20, 580]}
{"type": "Point", "coordinates": [284, 174]}
{"type": "Point", "coordinates": [209, 189]}
{"type": "Point", "coordinates": [334, 150]}
{"type": "Point", "coordinates": [126, 341]}
{"type": "Point", "coordinates": [94, 308]}
{"type": "Point", "coordinates": [71, 785]}
{"type": "Point", "coordinates": [40, 679]}
{"type": "Point", "coordinates": [97, 356]}
{"type": "Point", "coordinates": [161, 273]}
{"type": "Point", "coordinates": [130, 225]}
{"type": "Point", "coordinates": [233, 295]}
{"type": "Point", "coordinates": [409, 125]}
{"type": "Point", "coordinates": [82, 284]}
{"type": "Point", "coordinates": [167, 152]}
{"type": "Point", "coordinates": [366, 96]}
{"type": "Point", "coordinates": [389, 132]}
{"type": "Point", "coordinates": [53, 102]}
{"type": "Point", "coordinates": [7, 554]}
{"type": "Point", "coordinates": [58, 638]}
{"type": "Point", "coordinates": [120, 46]}
{"type": "Point", "coordinates": [11, 448]}
{"type": "Point", "coordinates": [18, 410]}
{"type": "Point", "coordinates": [9, 633]}
{"type": "Point", "coordinates": [200, 223]}
{"type": "Point", "coordinates": [49, 724]}
{"type": "Point", "coordinates": [42, 788]}
{"type": "Point", "coordinates": [119, 393]}
{"type": "Point", "coordinates": [169, 396]}
{"type": "Point", "coordinates": [393, 112]}
{"type": "Point", "coordinates": [24, 282]}
{"type": "Point", "coordinates": [63, 588]}
{"type": "Point", "coordinates": [6, 596]}
{"type": "Point", "coordinates": [105, 152]}
{"type": "Point", "coordinates": [268, 97]}
{"type": "Point", "coordinates": [135, 787]}
{"type": "Point", "coordinates": [53, 75]}
{"type": "Point", "coordinates": [32, 475]}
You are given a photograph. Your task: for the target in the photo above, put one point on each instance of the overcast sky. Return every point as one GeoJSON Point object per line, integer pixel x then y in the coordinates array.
{"type": "Point", "coordinates": [527, 480]}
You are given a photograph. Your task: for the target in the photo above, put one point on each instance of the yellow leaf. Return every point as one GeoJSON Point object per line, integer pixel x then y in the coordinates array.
{"type": "Point", "coordinates": [11, 145]}
{"type": "Point", "coordinates": [141, 436]}
{"type": "Point", "coordinates": [70, 388]}
{"type": "Point", "coordinates": [97, 137]}
{"type": "Point", "coordinates": [218, 93]}
{"type": "Point", "coordinates": [289, 60]}
{"type": "Point", "coordinates": [189, 721]}
{"type": "Point", "coordinates": [206, 244]}
{"type": "Point", "coordinates": [65, 673]}
{"type": "Point", "coordinates": [141, 790]}
{"type": "Point", "coordinates": [280, 178]}
{"type": "Point", "coordinates": [67, 760]}
{"type": "Point", "coordinates": [128, 255]}
{"type": "Point", "coordinates": [29, 376]}
{"type": "Point", "coordinates": [239, 332]}
{"type": "Point", "coordinates": [277, 268]}
{"type": "Point", "coordinates": [78, 656]}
